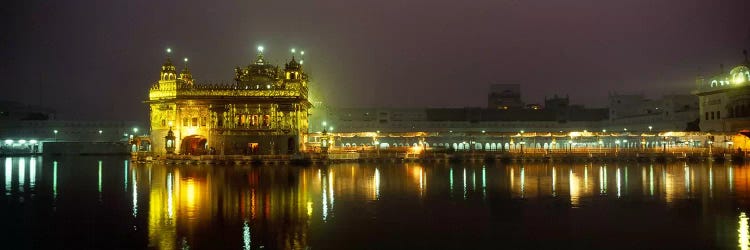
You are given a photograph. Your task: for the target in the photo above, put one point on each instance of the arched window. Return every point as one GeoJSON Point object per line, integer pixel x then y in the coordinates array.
{"type": "Point", "coordinates": [266, 121]}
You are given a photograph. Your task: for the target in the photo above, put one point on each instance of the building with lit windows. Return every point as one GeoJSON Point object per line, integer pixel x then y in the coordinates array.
{"type": "Point", "coordinates": [505, 96]}
{"type": "Point", "coordinates": [724, 99]}
{"type": "Point", "coordinates": [263, 112]}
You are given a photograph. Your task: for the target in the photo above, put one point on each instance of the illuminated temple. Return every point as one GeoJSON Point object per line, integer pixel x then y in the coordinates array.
{"type": "Point", "coordinates": [264, 111]}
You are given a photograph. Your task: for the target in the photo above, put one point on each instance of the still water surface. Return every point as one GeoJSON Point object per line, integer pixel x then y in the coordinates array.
{"type": "Point", "coordinates": [112, 203]}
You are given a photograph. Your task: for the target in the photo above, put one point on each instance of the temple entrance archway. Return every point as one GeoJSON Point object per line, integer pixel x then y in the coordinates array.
{"type": "Point", "coordinates": [291, 145]}
{"type": "Point", "coordinates": [193, 145]}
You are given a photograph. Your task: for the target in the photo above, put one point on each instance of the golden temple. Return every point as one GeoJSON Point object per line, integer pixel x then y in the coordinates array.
{"type": "Point", "coordinates": [264, 111]}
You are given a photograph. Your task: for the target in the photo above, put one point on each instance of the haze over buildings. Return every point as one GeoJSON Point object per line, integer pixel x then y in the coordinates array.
{"type": "Point", "coordinates": [93, 60]}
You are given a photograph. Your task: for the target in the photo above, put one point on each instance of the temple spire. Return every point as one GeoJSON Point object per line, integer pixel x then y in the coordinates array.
{"type": "Point", "coordinates": [168, 71]}
{"type": "Point", "coordinates": [185, 74]}
{"type": "Point", "coordinates": [259, 59]}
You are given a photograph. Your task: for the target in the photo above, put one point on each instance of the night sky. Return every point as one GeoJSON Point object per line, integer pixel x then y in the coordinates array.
{"type": "Point", "coordinates": [97, 59]}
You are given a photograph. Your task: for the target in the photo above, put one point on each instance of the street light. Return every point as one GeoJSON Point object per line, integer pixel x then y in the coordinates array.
{"type": "Point", "coordinates": [55, 131]}
{"type": "Point", "coordinates": [617, 144]}
{"type": "Point", "coordinates": [135, 131]}
{"type": "Point", "coordinates": [649, 128]}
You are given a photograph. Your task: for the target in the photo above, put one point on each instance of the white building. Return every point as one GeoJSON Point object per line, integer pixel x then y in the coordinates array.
{"type": "Point", "coordinates": [725, 99]}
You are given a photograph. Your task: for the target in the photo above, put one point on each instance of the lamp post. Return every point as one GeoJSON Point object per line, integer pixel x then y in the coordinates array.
{"type": "Point", "coordinates": [617, 145]}
{"type": "Point", "coordinates": [55, 131]}
{"type": "Point", "coordinates": [169, 141]}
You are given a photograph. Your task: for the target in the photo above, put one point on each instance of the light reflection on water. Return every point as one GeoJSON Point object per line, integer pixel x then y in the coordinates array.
{"type": "Point", "coordinates": [279, 207]}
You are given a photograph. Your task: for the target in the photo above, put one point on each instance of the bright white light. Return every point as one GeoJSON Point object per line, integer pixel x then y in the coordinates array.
{"type": "Point", "coordinates": [100, 132]}
{"type": "Point", "coordinates": [302, 52]}
{"type": "Point", "coordinates": [32, 172]}
{"type": "Point", "coordinates": [376, 183]}
{"type": "Point", "coordinates": [55, 131]}
{"type": "Point", "coordinates": [8, 175]}
{"type": "Point", "coordinates": [186, 60]}
{"type": "Point", "coordinates": [743, 238]}
{"type": "Point", "coordinates": [32, 141]}
{"type": "Point", "coordinates": [246, 236]}
{"type": "Point", "coordinates": [260, 49]}
{"type": "Point", "coordinates": [294, 51]}
{"type": "Point", "coordinates": [268, 86]}
{"type": "Point", "coordinates": [8, 142]}
{"type": "Point", "coordinates": [170, 209]}
{"type": "Point", "coordinates": [169, 50]}
{"type": "Point", "coordinates": [301, 61]}
{"type": "Point", "coordinates": [22, 141]}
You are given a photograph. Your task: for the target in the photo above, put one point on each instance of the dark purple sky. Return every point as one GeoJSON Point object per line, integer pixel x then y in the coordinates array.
{"type": "Point", "coordinates": [96, 59]}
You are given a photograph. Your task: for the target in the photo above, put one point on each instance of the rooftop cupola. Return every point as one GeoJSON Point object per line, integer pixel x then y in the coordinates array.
{"type": "Point", "coordinates": [293, 69]}
{"type": "Point", "coordinates": [168, 71]}
{"type": "Point", "coordinates": [185, 74]}
{"type": "Point", "coordinates": [259, 58]}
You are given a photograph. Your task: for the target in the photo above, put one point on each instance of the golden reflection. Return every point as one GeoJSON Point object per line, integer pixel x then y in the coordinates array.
{"type": "Point", "coordinates": [730, 180]}
{"type": "Point", "coordinates": [309, 208]}
{"type": "Point", "coordinates": [554, 181]}
{"type": "Point", "coordinates": [575, 190]}
{"type": "Point", "coordinates": [186, 200]}
{"type": "Point", "coordinates": [669, 185]}
{"type": "Point", "coordinates": [651, 179]}
{"type": "Point", "coordinates": [161, 228]}
{"type": "Point", "coordinates": [586, 177]}
{"type": "Point", "coordinates": [602, 180]}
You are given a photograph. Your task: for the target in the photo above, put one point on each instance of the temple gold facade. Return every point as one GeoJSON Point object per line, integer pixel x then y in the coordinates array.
{"type": "Point", "coordinates": [264, 111]}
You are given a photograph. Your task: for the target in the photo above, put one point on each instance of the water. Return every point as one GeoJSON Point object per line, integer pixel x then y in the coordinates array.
{"type": "Point", "coordinates": [111, 203]}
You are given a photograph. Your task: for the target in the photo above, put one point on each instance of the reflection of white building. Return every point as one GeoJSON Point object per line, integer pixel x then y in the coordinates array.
{"type": "Point", "coordinates": [725, 99]}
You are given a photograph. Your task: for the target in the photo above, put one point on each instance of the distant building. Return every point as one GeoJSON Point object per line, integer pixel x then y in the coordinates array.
{"type": "Point", "coordinates": [26, 128]}
{"type": "Point", "coordinates": [638, 113]}
{"type": "Point", "coordinates": [561, 117]}
{"type": "Point", "coordinates": [263, 112]}
{"type": "Point", "coordinates": [19, 111]}
{"type": "Point", "coordinates": [505, 96]}
{"type": "Point", "coordinates": [725, 99]}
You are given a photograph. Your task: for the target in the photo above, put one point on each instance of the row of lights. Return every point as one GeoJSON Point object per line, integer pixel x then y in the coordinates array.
{"type": "Point", "coordinates": [135, 130]}
{"type": "Point", "coordinates": [293, 50]}
{"type": "Point", "coordinates": [23, 142]}
{"type": "Point", "coordinates": [260, 49]}
{"type": "Point", "coordinates": [603, 130]}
